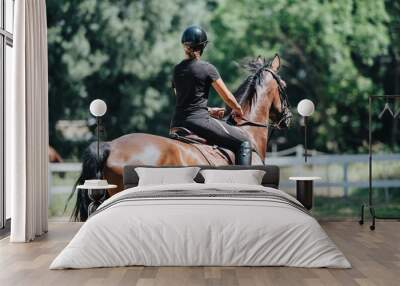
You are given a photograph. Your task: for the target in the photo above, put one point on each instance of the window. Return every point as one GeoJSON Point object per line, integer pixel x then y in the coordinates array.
{"type": "Point", "coordinates": [6, 44]}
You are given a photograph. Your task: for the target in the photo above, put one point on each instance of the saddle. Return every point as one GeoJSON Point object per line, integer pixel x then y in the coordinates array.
{"type": "Point", "coordinates": [214, 154]}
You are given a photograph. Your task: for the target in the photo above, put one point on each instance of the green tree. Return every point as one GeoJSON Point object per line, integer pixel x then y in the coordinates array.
{"type": "Point", "coordinates": [328, 48]}
{"type": "Point", "coordinates": [120, 51]}
{"type": "Point", "coordinates": [123, 51]}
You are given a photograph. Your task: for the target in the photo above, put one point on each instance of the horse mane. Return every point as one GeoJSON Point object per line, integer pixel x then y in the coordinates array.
{"type": "Point", "coordinates": [246, 93]}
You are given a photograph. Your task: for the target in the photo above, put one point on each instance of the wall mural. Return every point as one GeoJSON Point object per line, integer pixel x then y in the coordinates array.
{"type": "Point", "coordinates": [134, 55]}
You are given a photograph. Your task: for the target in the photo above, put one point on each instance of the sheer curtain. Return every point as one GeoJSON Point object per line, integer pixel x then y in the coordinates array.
{"type": "Point", "coordinates": [27, 123]}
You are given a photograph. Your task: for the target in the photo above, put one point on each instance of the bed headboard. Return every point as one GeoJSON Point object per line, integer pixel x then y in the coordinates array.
{"type": "Point", "coordinates": [271, 177]}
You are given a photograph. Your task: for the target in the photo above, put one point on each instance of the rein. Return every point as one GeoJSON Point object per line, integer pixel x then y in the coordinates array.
{"type": "Point", "coordinates": [247, 122]}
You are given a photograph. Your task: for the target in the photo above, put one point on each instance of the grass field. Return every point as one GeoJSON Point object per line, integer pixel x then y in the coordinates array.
{"type": "Point", "coordinates": [328, 203]}
{"type": "Point", "coordinates": [337, 207]}
{"type": "Point", "coordinates": [58, 200]}
{"type": "Point", "coordinates": [324, 207]}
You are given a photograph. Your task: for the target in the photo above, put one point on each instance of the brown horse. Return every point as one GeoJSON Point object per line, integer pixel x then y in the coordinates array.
{"type": "Point", "coordinates": [54, 156]}
{"type": "Point", "coordinates": [261, 98]}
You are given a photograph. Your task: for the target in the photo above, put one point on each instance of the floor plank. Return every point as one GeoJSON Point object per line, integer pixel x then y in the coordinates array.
{"type": "Point", "coordinates": [375, 257]}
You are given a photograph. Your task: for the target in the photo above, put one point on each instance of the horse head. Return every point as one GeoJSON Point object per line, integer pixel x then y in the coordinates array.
{"type": "Point", "coordinates": [262, 95]}
{"type": "Point", "coordinates": [280, 114]}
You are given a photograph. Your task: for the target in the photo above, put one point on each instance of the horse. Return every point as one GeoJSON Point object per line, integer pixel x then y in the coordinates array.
{"type": "Point", "coordinates": [263, 101]}
{"type": "Point", "coordinates": [54, 156]}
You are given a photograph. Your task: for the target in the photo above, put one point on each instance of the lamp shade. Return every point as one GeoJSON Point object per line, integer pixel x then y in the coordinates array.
{"type": "Point", "coordinates": [305, 107]}
{"type": "Point", "coordinates": [98, 107]}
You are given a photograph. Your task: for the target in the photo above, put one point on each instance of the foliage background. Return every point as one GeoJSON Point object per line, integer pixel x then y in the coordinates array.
{"type": "Point", "coordinates": [335, 53]}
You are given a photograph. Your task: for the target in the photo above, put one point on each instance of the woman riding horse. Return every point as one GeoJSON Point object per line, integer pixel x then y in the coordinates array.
{"type": "Point", "coordinates": [191, 82]}
{"type": "Point", "coordinates": [262, 99]}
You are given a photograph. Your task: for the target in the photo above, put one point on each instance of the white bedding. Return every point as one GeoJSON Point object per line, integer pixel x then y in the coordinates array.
{"type": "Point", "coordinates": [183, 231]}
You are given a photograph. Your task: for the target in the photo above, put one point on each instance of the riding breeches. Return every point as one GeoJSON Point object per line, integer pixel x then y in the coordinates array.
{"type": "Point", "coordinates": [217, 132]}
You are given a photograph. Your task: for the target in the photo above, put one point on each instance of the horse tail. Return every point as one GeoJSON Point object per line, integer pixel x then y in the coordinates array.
{"type": "Point", "coordinates": [91, 169]}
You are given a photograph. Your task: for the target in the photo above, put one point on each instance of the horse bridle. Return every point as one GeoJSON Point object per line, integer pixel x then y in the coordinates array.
{"type": "Point", "coordinates": [286, 114]}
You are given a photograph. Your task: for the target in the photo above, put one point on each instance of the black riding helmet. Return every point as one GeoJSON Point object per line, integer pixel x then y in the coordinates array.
{"type": "Point", "coordinates": [195, 37]}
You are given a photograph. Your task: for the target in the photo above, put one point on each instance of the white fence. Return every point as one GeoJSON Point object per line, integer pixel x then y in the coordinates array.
{"type": "Point", "coordinates": [62, 168]}
{"type": "Point", "coordinates": [319, 160]}
{"type": "Point", "coordinates": [296, 166]}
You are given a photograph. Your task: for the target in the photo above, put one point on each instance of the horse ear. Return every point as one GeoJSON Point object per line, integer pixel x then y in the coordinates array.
{"type": "Point", "coordinates": [259, 60]}
{"type": "Point", "coordinates": [276, 63]}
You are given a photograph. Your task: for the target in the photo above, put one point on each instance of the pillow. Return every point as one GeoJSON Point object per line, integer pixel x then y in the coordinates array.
{"type": "Point", "coordinates": [247, 177]}
{"type": "Point", "coordinates": [166, 176]}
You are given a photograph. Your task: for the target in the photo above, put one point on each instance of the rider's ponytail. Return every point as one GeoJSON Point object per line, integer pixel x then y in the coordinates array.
{"type": "Point", "coordinates": [192, 53]}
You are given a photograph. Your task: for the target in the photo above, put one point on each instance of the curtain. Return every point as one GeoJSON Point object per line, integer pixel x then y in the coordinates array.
{"type": "Point", "coordinates": [27, 123]}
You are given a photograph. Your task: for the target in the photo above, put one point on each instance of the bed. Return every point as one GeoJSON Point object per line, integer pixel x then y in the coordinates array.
{"type": "Point", "coordinates": [198, 224]}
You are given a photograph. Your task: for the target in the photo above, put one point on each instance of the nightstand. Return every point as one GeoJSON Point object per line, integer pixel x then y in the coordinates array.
{"type": "Point", "coordinates": [97, 190]}
{"type": "Point", "coordinates": [304, 190]}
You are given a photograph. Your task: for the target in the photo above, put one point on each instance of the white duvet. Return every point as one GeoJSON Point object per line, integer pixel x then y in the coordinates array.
{"type": "Point", "coordinates": [183, 231]}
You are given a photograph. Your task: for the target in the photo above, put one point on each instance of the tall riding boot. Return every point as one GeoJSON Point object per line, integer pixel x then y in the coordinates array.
{"type": "Point", "coordinates": [244, 155]}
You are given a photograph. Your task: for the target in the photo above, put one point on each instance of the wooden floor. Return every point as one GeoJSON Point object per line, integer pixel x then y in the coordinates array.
{"type": "Point", "coordinates": [375, 257]}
